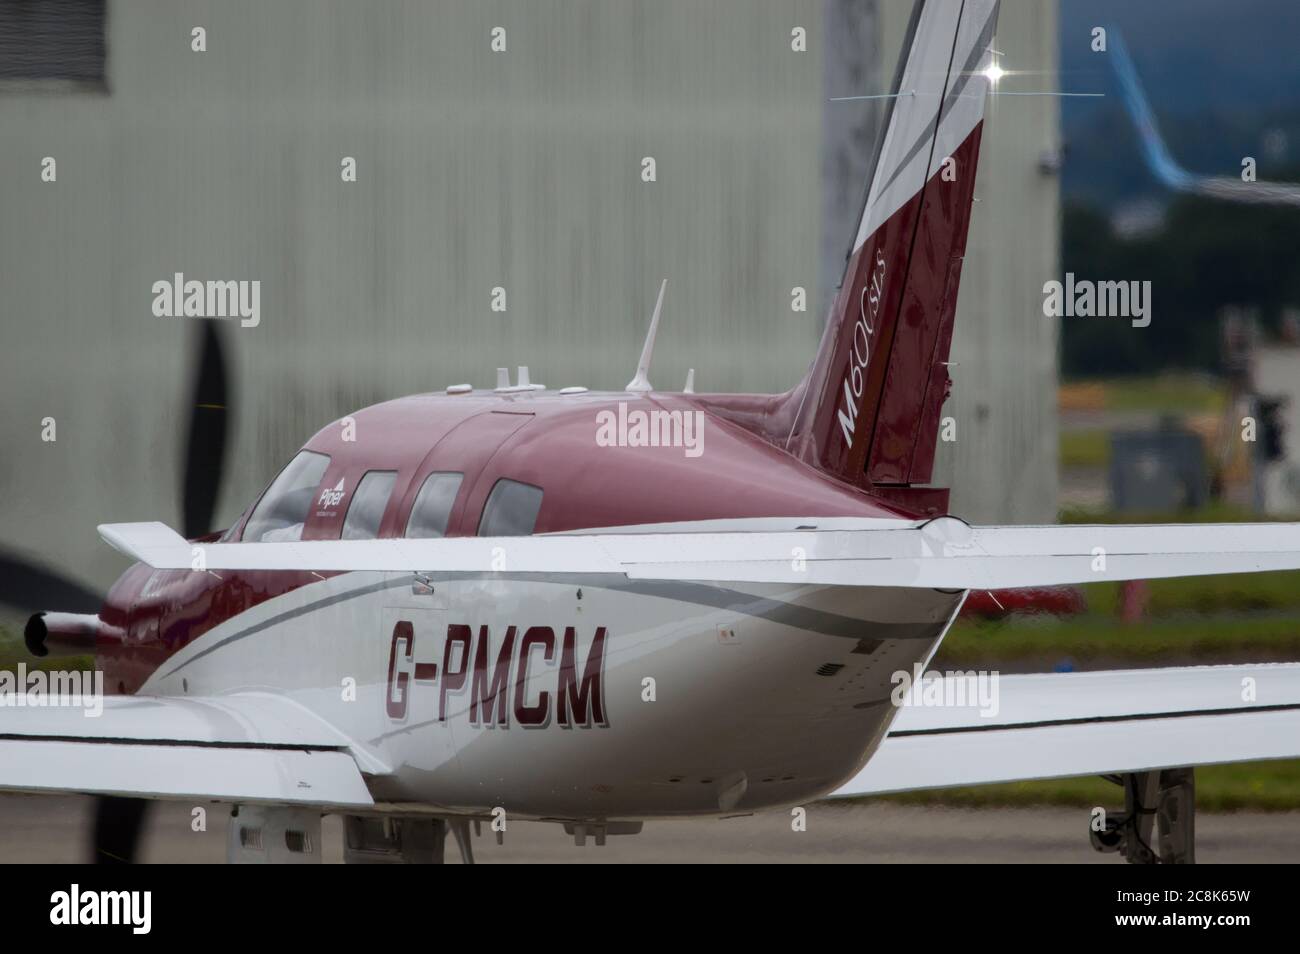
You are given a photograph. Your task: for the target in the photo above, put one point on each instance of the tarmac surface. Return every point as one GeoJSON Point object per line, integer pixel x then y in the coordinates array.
{"type": "Point", "coordinates": [56, 829]}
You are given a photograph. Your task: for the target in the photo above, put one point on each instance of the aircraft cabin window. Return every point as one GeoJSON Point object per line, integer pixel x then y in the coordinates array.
{"type": "Point", "coordinates": [511, 510]}
{"type": "Point", "coordinates": [432, 507]}
{"type": "Point", "coordinates": [367, 507]}
{"type": "Point", "coordinates": [283, 509]}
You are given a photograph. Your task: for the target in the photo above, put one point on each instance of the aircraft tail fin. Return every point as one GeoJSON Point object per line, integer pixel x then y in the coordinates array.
{"type": "Point", "coordinates": [869, 409]}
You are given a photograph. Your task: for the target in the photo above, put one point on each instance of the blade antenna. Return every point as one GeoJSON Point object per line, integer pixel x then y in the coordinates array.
{"type": "Point", "coordinates": [641, 382]}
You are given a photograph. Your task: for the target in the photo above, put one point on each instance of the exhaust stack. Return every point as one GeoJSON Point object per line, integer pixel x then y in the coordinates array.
{"type": "Point", "coordinates": [61, 634]}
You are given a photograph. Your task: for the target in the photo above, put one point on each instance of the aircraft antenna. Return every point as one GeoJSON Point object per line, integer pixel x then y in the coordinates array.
{"type": "Point", "coordinates": [641, 382]}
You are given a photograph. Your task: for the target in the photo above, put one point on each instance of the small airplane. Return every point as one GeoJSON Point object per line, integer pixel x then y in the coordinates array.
{"type": "Point", "coordinates": [481, 606]}
{"type": "Point", "coordinates": [1162, 164]}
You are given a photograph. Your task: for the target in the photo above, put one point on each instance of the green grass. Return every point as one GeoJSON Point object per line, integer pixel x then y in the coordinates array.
{"type": "Point", "coordinates": [1211, 513]}
{"type": "Point", "coordinates": [13, 652]}
{"type": "Point", "coordinates": [1259, 786]}
{"type": "Point", "coordinates": [1147, 644]}
{"type": "Point", "coordinates": [1166, 393]}
{"type": "Point", "coordinates": [1236, 593]}
{"type": "Point", "coordinates": [1085, 448]}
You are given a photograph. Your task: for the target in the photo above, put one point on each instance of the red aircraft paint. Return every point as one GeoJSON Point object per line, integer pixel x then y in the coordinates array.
{"type": "Point", "coordinates": [913, 262]}
{"type": "Point", "coordinates": [1052, 600]}
{"type": "Point", "coordinates": [782, 455]}
{"type": "Point", "coordinates": [547, 440]}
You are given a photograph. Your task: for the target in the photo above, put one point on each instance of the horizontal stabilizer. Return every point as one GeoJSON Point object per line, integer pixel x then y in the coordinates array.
{"type": "Point", "coordinates": [940, 554]}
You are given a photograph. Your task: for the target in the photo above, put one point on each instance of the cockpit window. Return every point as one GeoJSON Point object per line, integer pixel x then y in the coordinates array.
{"type": "Point", "coordinates": [367, 507]}
{"type": "Point", "coordinates": [511, 510]}
{"type": "Point", "coordinates": [432, 507]}
{"type": "Point", "coordinates": [283, 509]}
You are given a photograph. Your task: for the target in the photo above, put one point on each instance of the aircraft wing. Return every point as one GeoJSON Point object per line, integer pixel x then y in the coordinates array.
{"type": "Point", "coordinates": [944, 553]}
{"type": "Point", "coordinates": [1099, 723]}
{"type": "Point", "coordinates": [245, 748]}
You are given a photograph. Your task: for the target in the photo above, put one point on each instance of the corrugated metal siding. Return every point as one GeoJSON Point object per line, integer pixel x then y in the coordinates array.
{"type": "Point", "coordinates": [476, 169]}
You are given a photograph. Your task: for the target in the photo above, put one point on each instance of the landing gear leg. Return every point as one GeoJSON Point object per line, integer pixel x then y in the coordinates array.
{"type": "Point", "coordinates": [1158, 825]}
{"type": "Point", "coordinates": [460, 829]}
{"type": "Point", "coordinates": [1176, 816]}
{"type": "Point", "coordinates": [399, 841]}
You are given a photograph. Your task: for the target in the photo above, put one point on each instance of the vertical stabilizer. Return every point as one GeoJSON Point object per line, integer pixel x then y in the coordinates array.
{"type": "Point", "coordinates": [869, 410]}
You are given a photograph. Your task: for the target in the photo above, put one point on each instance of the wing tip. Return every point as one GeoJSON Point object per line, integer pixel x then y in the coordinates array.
{"type": "Point", "coordinates": [143, 541]}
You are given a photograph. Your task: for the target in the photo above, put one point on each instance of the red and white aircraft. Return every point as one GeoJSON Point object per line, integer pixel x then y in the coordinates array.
{"type": "Point", "coordinates": [599, 608]}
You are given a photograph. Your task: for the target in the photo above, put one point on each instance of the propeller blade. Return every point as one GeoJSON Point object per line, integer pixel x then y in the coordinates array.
{"type": "Point", "coordinates": [30, 587]}
{"type": "Point", "coordinates": [205, 449]}
{"type": "Point", "coordinates": [118, 825]}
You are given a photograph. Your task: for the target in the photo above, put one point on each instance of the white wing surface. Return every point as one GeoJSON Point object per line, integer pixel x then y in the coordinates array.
{"type": "Point", "coordinates": [940, 554]}
{"type": "Point", "coordinates": [1063, 724]}
{"type": "Point", "coordinates": [246, 748]}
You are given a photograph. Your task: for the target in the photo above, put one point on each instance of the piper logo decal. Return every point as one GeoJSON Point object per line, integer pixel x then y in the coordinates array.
{"type": "Point", "coordinates": [330, 496]}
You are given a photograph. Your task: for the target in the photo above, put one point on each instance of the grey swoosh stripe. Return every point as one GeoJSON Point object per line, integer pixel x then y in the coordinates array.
{"type": "Point", "coordinates": [779, 611]}
{"type": "Point", "coordinates": [720, 597]}
{"type": "Point", "coordinates": [701, 594]}
{"type": "Point", "coordinates": [960, 83]}
{"type": "Point", "coordinates": [291, 614]}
